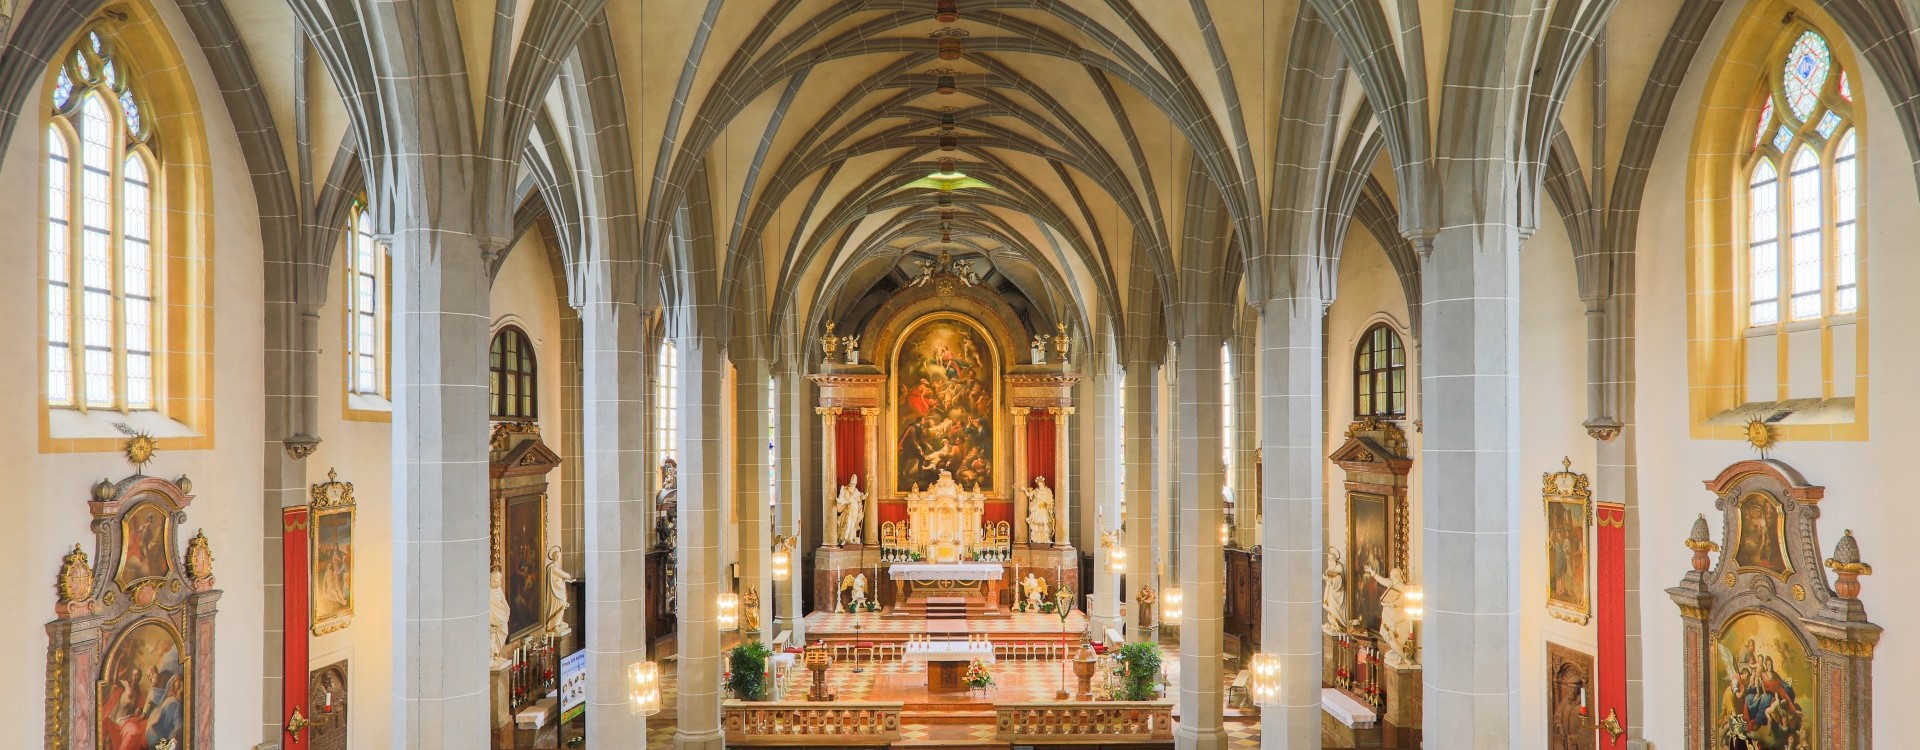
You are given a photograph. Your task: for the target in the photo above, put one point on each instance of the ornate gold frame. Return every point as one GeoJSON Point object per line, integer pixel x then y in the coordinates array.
{"type": "Point", "coordinates": [329, 498]}
{"type": "Point", "coordinates": [500, 547]}
{"type": "Point", "coordinates": [1568, 487]}
{"type": "Point", "coordinates": [890, 455]}
{"type": "Point", "coordinates": [1779, 536]}
{"type": "Point", "coordinates": [1390, 510]}
{"type": "Point", "coordinates": [186, 674]}
{"type": "Point", "coordinates": [166, 543]}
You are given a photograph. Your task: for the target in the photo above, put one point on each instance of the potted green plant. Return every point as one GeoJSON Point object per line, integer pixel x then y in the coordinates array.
{"type": "Point", "coordinates": [747, 670]}
{"type": "Point", "coordinates": [1140, 664]}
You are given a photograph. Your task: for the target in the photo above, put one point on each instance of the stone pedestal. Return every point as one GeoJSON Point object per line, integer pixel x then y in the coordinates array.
{"type": "Point", "coordinates": [500, 697]}
{"type": "Point", "coordinates": [1401, 721]}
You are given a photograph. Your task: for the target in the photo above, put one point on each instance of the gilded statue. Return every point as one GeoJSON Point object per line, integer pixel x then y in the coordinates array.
{"type": "Point", "coordinates": [1396, 629]}
{"type": "Point", "coordinates": [750, 609]}
{"type": "Point", "coordinates": [1039, 512]}
{"type": "Point", "coordinates": [850, 508]}
{"type": "Point", "coordinates": [557, 580]}
{"type": "Point", "coordinates": [1333, 596]}
{"type": "Point", "coordinates": [499, 610]}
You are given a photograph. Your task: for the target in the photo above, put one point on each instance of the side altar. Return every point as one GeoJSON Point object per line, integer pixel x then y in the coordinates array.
{"type": "Point", "coordinates": [944, 459]}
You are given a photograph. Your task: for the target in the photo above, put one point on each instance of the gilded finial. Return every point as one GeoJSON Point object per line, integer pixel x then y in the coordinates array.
{"type": "Point", "coordinates": [103, 491]}
{"type": "Point", "coordinates": [185, 485]}
{"type": "Point", "coordinates": [1847, 567]}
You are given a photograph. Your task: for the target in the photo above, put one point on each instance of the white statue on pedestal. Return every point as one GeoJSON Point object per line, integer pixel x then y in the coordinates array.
{"type": "Point", "coordinates": [557, 580]}
{"type": "Point", "coordinates": [1333, 596]}
{"type": "Point", "coordinates": [1396, 629]}
{"type": "Point", "coordinates": [499, 611]}
{"type": "Point", "coordinates": [1039, 512]}
{"type": "Point", "coordinates": [858, 585]}
{"type": "Point", "coordinates": [849, 508]}
{"type": "Point", "coordinates": [1036, 592]}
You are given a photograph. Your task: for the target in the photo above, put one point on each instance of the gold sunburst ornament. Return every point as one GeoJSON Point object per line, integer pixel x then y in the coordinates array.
{"type": "Point", "coordinates": [1760, 436]}
{"type": "Point", "coordinates": [140, 449]}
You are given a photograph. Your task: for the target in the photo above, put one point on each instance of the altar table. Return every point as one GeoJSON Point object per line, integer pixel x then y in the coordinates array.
{"type": "Point", "coordinates": [947, 661]}
{"type": "Point", "coordinates": [976, 584]}
{"type": "Point", "coordinates": [979, 571]}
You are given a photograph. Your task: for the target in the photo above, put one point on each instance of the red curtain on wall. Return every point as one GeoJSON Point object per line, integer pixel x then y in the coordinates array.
{"type": "Point", "coordinates": [997, 511]}
{"type": "Point", "coordinates": [1040, 447]}
{"type": "Point", "coordinates": [893, 511]}
{"type": "Point", "coordinates": [850, 442]}
{"type": "Point", "coordinates": [1611, 613]}
{"type": "Point", "coordinates": [293, 664]}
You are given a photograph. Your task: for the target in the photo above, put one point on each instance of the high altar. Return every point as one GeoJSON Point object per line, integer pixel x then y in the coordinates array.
{"type": "Point", "coordinates": [939, 422]}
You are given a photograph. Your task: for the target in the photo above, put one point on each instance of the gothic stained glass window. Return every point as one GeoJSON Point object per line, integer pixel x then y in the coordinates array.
{"type": "Point", "coordinates": [1380, 374]}
{"type": "Point", "coordinates": [102, 315]}
{"type": "Point", "coordinates": [366, 307]}
{"type": "Point", "coordinates": [513, 375]}
{"type": "Point", "coordinates": [1802, 197]}
{"type": "Point", "coordinates": [1808, 64]}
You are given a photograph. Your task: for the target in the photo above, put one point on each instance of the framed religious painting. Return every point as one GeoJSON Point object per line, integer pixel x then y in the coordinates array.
{"type": "Point", "coordinates": [944, 383]}
{"type": "Point", "coordinates": [1764, 692]}
{"type": "Point", "coordinates": [331, 570]}
{"type": "Point", "coordinates": [523, 536]}
{"type": "Point", "coordinates": [145, 690]}
{"type": "Point", "coordinates": [1569, 506]}
{"type": "Point", "coordinates": [143, 546]}
{"type": "Point", "coordinates": [1371, 557]}
{"type": "Point", "coordinates": [1760, 536]}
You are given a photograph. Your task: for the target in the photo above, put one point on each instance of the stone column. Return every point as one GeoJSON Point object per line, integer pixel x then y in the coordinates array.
{"type": "Point", "coordinates": [1292, 437]}
{"type": "Point", "coordinates": [1142, 421]}
{"type": "Point", "coordinates": [1470, 549]}
{"type": "Point", "coordinates": [750, 487]}
{"type": "Point", "coordinates": [440, 538]}
{"type": "Point", "coordinates": [1202, 562]}
{"type": "Point", "coordinates": [618, 478]}
{"type": "Point", "coordinates": [870, 418]}
{"type": "Point", "coordinates": [1100, 451]}
{"type": "Point", "coordinates": [1020, 480]}
{"type": "Point", "coordinates": [702, 371]}
{"type": "Point", "coordinates": [792, 445]}
{"type": "Point", "coordinates": [1063, 478]}
{"type": "Point", "coordinates": [829, 473]}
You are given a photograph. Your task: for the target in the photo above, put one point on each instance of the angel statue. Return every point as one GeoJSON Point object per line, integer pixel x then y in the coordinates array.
{"type": "Point", "coordinates": [851, 345]}
{"type": "Point", "coordinates": [1040, 512]}
{"type": "Point", "coordinates": [1035, 589]}
{"type": "Point", "coordinates": [1396, 629]}
{"type": "Point", "coordinates": [557, 580]}
{"type": "Point", "coordinates": [850, 511]}
{"type": "Point", "coordinates": [1333, 596]}
{"type": "Point", "coordinates": [858, 585]}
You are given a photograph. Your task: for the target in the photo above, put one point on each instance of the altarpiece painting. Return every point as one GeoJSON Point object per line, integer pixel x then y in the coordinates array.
{"type": "Point", "coordinates": [523, 537]}
{"type": "Point", "coordinates": [130, 651]}
{"type": "Point", "coordinates": [1369, 545]}
{"type": "Point", "coordinates": [1569, 505]}
{"type": "Point", "coordinates": [944, 405]}
{"type": "Point", "coordinates": [1776, 656]}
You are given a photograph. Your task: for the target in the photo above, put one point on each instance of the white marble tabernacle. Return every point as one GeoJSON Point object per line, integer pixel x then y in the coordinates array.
{"type": "Point", "coordinates": [974, 571]}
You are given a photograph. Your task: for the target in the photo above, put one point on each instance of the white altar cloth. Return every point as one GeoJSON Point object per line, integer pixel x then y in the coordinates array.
{"type": "Point", "coordinates": [925, 651]}
{"type": "Point", "coordinates": [971, 571]}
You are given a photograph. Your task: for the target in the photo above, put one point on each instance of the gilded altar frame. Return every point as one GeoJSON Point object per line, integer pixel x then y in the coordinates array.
{"type": "Point", "coordinates": [997, 351]}
{"type": "Point", "coordinates": [329, 501]}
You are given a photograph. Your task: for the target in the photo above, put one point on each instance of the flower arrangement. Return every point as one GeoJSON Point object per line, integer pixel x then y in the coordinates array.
{"type": "Point", "coordinates": [747, 670]}
{"type": "Point", "coordinates": [977, 676]}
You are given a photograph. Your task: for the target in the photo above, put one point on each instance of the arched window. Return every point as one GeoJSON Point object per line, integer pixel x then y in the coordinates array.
{"type": "Point", "coordinates": [666, 394]}
{"type": "Point", "coordinates": [1801, 263]}
{"type": "Point", "coordinates": [1380, 374]}
{"type": "Point", "coordinates": [102, 316]}
{"type": "Point", "coordinates": [1226, 421]}
{"type": "Point", "coordinates": [514, 375]}
{"type": "Point", "coordinates": [367, 305]}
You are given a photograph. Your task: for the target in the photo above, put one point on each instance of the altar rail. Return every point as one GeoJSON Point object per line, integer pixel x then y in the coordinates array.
{"type": "Point", "coordinates": [1102, 722]}
{"type": "Point", "coordinates": [798, 723]}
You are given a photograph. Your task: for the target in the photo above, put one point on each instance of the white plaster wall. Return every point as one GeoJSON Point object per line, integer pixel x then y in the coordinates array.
{"type": "Point", "coordinates": [1553, 404]}
{"type": "Point", "coordinates": [1866, 491]}
{"type": "Point", "coordinates": [46, 505]}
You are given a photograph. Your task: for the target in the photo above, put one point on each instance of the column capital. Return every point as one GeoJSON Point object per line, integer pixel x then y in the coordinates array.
{"type": "Point", "coordinates": [1061, 411]}
{"type": "Point", "coordinates": [869, 413]}
{"type": "Point", "coordinates": [828, 411]}
{"type": "Point", "coordinates": [1020, 414]}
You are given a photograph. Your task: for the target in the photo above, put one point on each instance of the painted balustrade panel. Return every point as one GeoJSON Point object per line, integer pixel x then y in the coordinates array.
{"type": "Point", "coordinates": [1118, 720]}
{"type": "Point", "coordinates": [850, 722]}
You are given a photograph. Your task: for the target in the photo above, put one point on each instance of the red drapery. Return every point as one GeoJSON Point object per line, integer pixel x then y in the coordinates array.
{"type": "Point", "coordinates": [850, 442]}
{"type": "Point", "coordinates": [293, 664]}
{"type": "Point", "coordinates": [1611, 612]}
{"type": "Point", "coordinates": [1040, 447]}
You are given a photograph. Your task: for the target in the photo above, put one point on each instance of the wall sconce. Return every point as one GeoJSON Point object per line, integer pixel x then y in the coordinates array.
{"type": "Point", "coordinates": [1226, 534]}
{"type": "Point", "coordinates": [1264, 683]}
{"type": "Point", "coordinates": [728, 612]}
{"type": "Point", "coordinates": [782, 561]}
{"type": "Point", "coordinates": [1172, 604]}
{"type": "Point", "coordinates": [643, 688]}
{"type": "Point", "coordinates": [1117, 560]}
{"type": "Point", "coordinates": [1415, 603]}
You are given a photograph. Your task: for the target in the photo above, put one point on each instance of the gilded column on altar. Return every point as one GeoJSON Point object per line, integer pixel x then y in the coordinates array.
{"type": "Point", "coordinates": [1020, 480]}
{"type": "Point", "coordinates": [1063, 489]}
{"type": "Point", "coordinates": [870, 415]}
